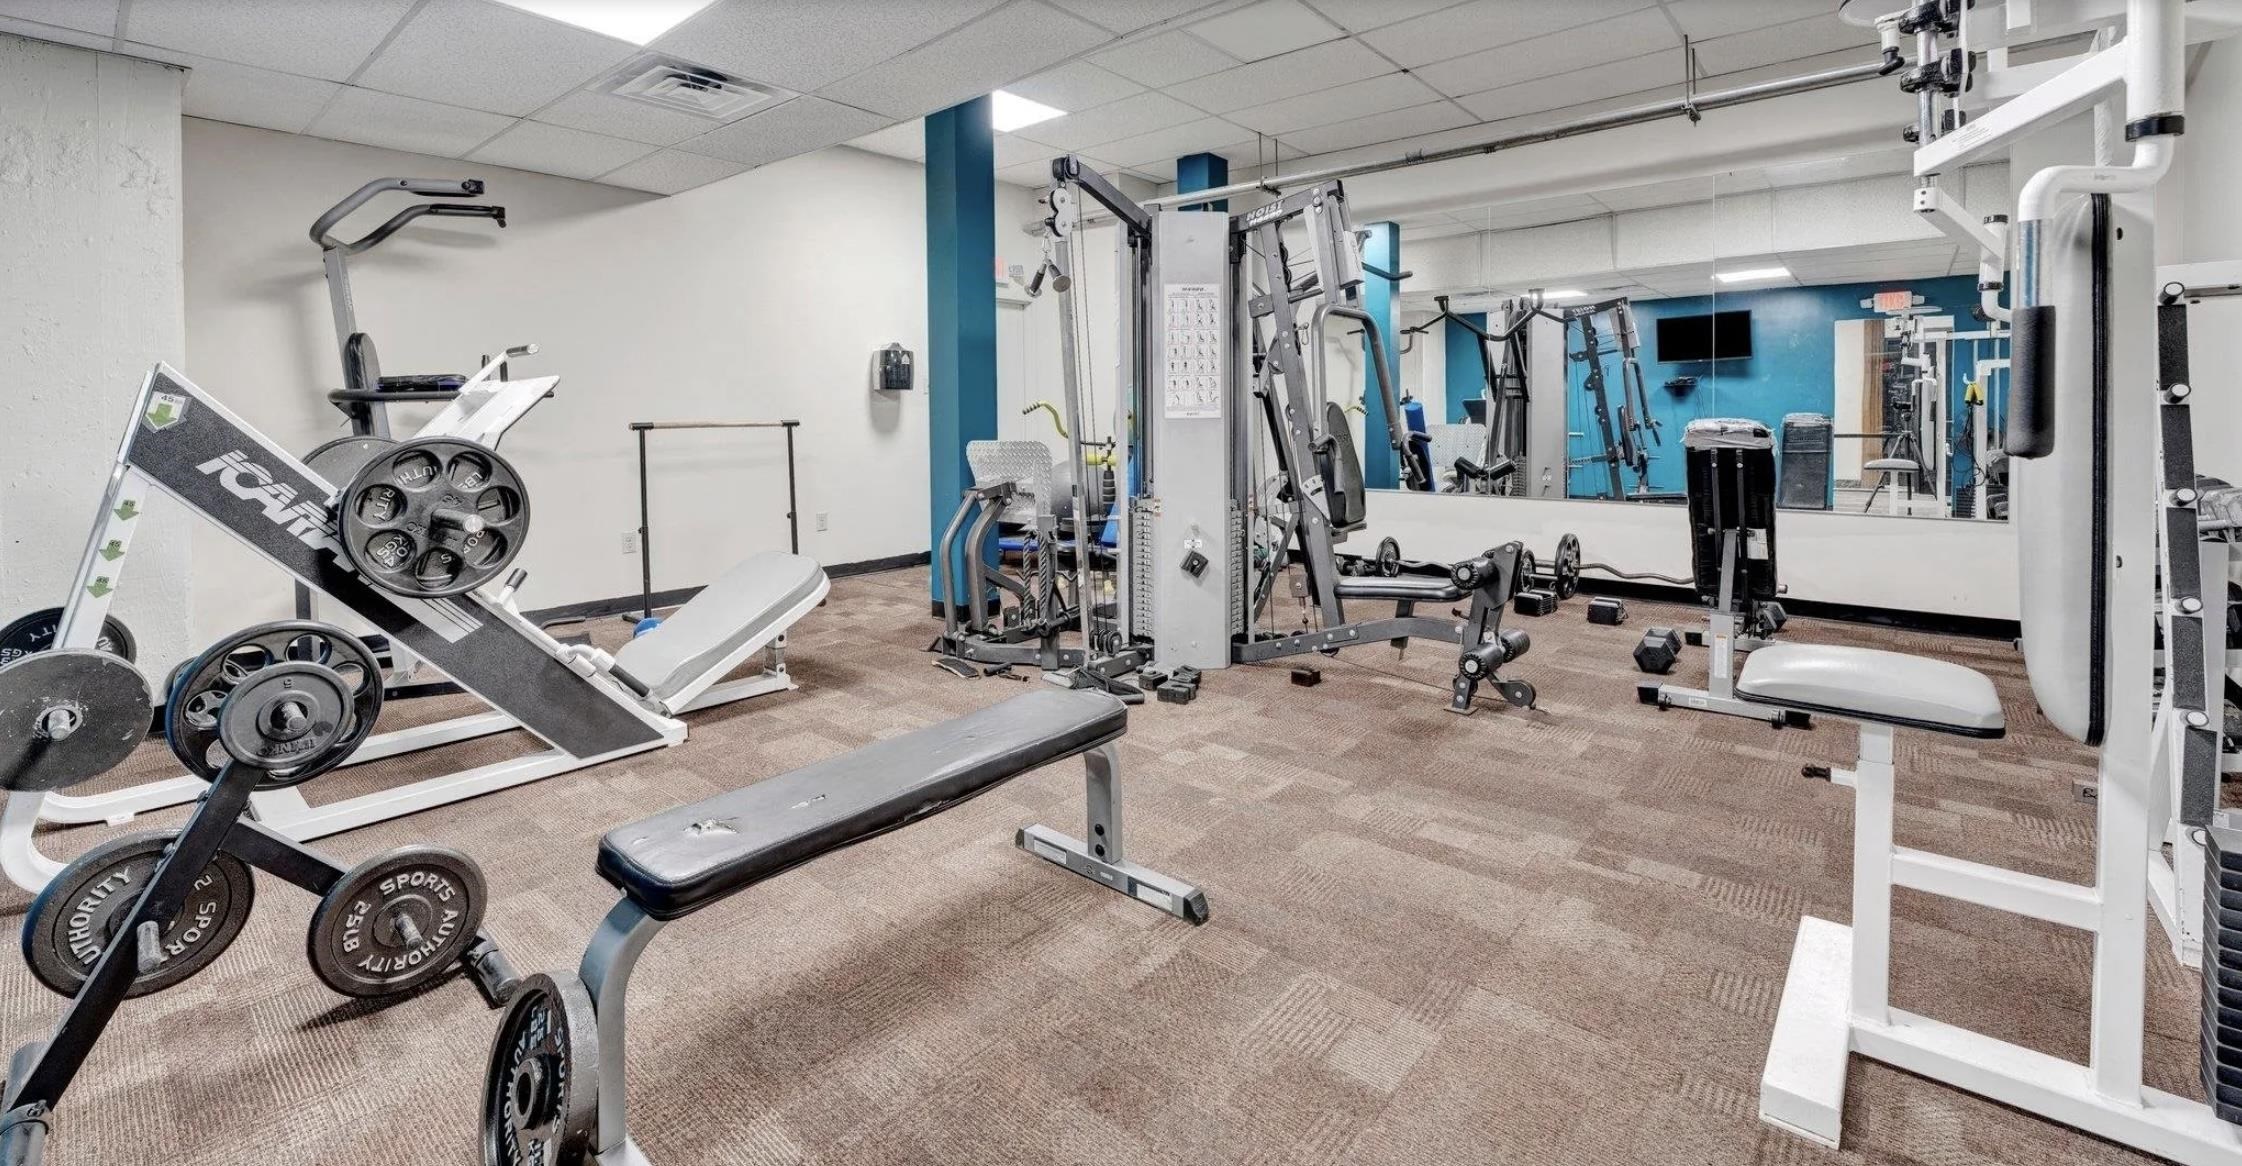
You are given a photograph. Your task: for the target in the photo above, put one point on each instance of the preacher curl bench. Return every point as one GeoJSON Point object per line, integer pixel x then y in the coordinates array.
{"type": "Point", "coordinates": [555, 1092]}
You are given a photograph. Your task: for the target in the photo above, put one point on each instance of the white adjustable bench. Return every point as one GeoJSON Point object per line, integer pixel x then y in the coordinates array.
{"type": "Point", "coordinates": [1837, 996]}
{"type": "Point", "coordinates": [743, 612]}
{"type": "Point", "coordinates": [555, 1093]}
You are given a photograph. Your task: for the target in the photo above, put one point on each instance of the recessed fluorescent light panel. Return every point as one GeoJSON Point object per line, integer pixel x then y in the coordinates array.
{"type": "Point", "coordinates": [1549, 296]}
{"type": "Point", "coordinates": [1010, 111]}
{"type": "Point", "coordinates": [1752, 274]}
{"type": "Point", "coordinates": [637, 21]}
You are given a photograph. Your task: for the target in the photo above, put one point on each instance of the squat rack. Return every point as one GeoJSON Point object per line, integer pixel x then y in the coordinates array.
{"type": "Point", "coordinates": [645, 519]}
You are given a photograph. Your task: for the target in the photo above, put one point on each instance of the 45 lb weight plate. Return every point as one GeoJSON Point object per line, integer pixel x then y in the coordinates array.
{"type": "Point", "coordinates": [434, 516]}
{"type": "Point", "coordinates": [397, 921]}
{"type": "Point", "coordinates": [79, 913]}
{"type": "Point", "coordinates": [36, 633]}
{"type": "Point", "coordinates": [541, 1095]}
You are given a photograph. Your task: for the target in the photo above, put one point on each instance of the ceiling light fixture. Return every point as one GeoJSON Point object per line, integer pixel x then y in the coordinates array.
{"type": "Point", "coordinates": [637, 21]}
{"type": "Point", "coordinates": [1752, 274]}
{"type": "Point", "coordinates": [1568, 294]}
{"type": "Point", "coordinates": [1010, 111]}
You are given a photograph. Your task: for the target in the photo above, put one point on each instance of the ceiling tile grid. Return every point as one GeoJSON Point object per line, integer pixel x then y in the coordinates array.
{"type": "Point", "coordinates": [550, 149]}
{"type": "Point", "coordinates": [480, 55]}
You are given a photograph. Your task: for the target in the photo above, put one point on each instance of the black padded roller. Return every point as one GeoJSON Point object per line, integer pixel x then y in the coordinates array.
{"type": "Point", "coordinates": [2031, 408]}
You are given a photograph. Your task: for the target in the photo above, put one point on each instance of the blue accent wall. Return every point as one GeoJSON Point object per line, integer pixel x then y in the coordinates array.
{"type": "Point", "coordinates": [1196, 172]}
{"type": "Point", "coordinates": [1792, 369]}
{"type": "Point", "coordinates": [1381, 297]}
{"type": "Point", "coordinates": [1466, 378]}
{"type": "Point", "coordinates": [960, 302]}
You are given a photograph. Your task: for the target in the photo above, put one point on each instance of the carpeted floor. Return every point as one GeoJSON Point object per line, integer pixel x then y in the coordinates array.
{"type": "Point", "coordinates": [1554, 936]}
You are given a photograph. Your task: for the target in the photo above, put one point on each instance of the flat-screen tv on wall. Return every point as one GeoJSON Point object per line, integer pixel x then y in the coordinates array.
{"type": "Point", "coordinates": [1711, 336]}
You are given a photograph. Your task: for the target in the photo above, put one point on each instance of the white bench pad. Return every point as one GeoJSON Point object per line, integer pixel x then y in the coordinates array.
{"type": "Point", "coordinates": [744, 609]}
{"type": "Point", "coordinates": [1865, 684]}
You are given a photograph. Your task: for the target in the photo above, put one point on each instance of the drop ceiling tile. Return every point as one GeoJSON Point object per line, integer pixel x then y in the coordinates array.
{"type": "Point", "coordinates": [1130, 15]}
{"type": "Point", "coordinates": [1390, 126]}
{"type": "Point", "coordinates": [1769, 44]}
{"type": "Point", "coordinates": [1266, 29]}
{"type": "Point", "coordinates": [1163, 171]}
{"type": "Point", "coordinates": [1165, 59]}
{"type": "Point", "coordinates": [1705, 19]}
{"type": "Point", "coordinates": [1014, 150]}
{"type": "Point", "coordinates": [1349, 102]}
{"type": "Point", "coordinates": [1174, 142]}
{"type": "Point", "coordinates": [32, 30]}
{"type": "Point", "coordinates": [1013, 42]}
{"type": "Point", "coordinates": [1488, 24]}
{"type": "Point", "coordinates": [1305, 71]}
{"type": "Point", "coordinates": [1557, 56]}
{"type": "Point", "coordinates": [484, 55]}
{"type": "Point", "coordinates": [1729, 182]}
{"type": "Point", "coordinates": [671, 171]}
{"type": "Point", "coordinates": [558, 150]}
{"type": "Point", "coordinates": [904, 139]}
{"type": "Point", "coordinates": [1364, 15]}
{"type": "Point", "coordinates": [1033, 174]}
{"type": "Point", "coordinates": [373, 118]}
{"type": "Point", "coordinates": [620, 117]}
{"type": "Point", "coordinates": [1675, 193]}
{"type": "Point", "coordinates": [243, 95]}
{"type": "Point", "coordinates": [1844, 167]}
{"type": "Point", "coordinates": [797, 127]}
{"type": "Point", "coordinates": [1537, 212]}
{"type": "Point", "coordinates": [1637, 78]}
{"type": "Point", "coordinates": [805, 44]}
{"type": "Point", "coordinates": [328, 39]}
{"type": "Point", "coordinates": [1075, 86]}
{"type": "Point", "coordinates": [95, 16]}
{"type": "Point", "coordinates": [1127, 117]}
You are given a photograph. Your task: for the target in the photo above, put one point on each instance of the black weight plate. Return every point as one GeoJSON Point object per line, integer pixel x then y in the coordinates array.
{"type": "Point", "coordinates": [75, 917]}
{"type": "Point", "coordinates": [397, 921]}
{"type": "Point", "coordinates": [1389, 557]}
{"type": "Point", "coordinates": [288, 715]}
{"type": "Point", "coordinates": [339, 460]}
{"type": "Point", "coordinates": [68, 716]}
{"type": "Point", "coordinates": [36, 632]}
{"type": "Point", "coordinates": [541, 1094]}
{"type": "Point", "coordinates": [191, 710]}
{"type": "Point", "coordinates": [1566, 570]}
{"type": "Point", "coordinates": [434, 516]}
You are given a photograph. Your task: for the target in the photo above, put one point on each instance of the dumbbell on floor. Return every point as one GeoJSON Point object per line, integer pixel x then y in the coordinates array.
{"type": "Point", "coordinates": [1659, 650]}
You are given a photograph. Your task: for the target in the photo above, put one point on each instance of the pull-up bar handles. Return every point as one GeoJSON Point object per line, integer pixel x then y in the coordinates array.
{"type": "Point", "coordinates": [645, 516]}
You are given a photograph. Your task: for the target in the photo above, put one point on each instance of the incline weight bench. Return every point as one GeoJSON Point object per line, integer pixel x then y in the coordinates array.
{"type": "Point", "coordinates": [1730, 465]}
{"type": "Point", "coordinates": [555, 1093]}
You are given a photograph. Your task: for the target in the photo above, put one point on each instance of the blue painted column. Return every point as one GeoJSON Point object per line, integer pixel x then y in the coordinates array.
{"type": "Point", "coordinates": [1196, 172]}
{"type": "Point", "coordinates": [1381, 297]}
{"type": "Point", "coordinates": [1466, 378]}
{"type": "Point", "coordinates": [960, 304]}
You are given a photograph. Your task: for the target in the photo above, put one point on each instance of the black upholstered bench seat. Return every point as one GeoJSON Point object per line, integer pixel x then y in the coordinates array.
{"type": "Point", "coordinates": [1409, 588]}
{"type": "Point", "coordinates": [677, 862]}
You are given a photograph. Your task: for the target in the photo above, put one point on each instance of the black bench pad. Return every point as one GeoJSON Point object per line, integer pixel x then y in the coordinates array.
{"type": "Point", "coordinates": [1409, 588]}
{"type": "Point", "coordinates": [676, 863]}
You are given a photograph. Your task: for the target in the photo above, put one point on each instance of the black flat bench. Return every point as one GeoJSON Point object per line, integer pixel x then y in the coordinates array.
{"type": "Point", "coordinates": [555, 1092]}
{"type": "Point", "coordinates": [677, 862]}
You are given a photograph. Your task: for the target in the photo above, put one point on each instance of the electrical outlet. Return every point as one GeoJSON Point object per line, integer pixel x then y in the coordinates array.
{"type": "Point", "coordinates": [630, 542]}
{"type": "Point", "coordinates": [822, 518]}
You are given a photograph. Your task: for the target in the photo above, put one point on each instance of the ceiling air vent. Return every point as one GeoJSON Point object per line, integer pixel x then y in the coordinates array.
{"type": "Point", "coordinates": [686, 88]}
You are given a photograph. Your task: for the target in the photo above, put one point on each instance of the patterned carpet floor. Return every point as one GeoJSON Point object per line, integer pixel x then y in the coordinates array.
{"type": "Point", "coordinates": [1547, 936]}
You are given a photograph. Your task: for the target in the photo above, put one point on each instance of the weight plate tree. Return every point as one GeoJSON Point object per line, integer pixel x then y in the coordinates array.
{"type": "Point", "coordinates": [68, 716]}
{"type": "Point", "coordinates": [36, 633]}
{"type": "Point", "coordinates": [309, 723]}
{"type": "Point", "coordinates": [397, 921]}
{"type": "Point", "coordinates": [434, 516]}
{"type": "Point", "coordinates": [75, 917]}
{"type": "Point", "coordinates": [541, 1096]}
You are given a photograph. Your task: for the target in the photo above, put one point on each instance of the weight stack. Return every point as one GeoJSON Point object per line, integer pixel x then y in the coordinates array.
{"type": "Point", "coordinates": [1805, 473]}
{"type": "Point", "coordinates": [2222, 970]}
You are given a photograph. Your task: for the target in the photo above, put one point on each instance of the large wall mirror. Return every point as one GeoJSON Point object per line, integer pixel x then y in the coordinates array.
{"type": "Point", "coordinates": [1560, 348]}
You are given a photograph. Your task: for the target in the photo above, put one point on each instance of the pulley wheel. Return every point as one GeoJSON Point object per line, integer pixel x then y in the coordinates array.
{"type": "Point", "coordinates": [1566, 571]}
{"type": "Point", "coordinates": [67, 716]}
{"type": "Point", "coordinates": [434, 516]}
{"type": "Point", "coordinates": [84, 909]}
{"type": "Point", "coordinates": [541, 1095]}
{"type": "Point", "coordinates": [339, 461]}
{"type": "Point", "coordinates": [397, 921]}
{"type": "Point", "coordinates": [36, 633]}
{"type": "Point", "coordinates": [194, 710]}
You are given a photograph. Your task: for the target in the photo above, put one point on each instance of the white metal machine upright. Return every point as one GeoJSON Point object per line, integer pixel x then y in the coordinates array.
{"type": "Point", "coordinates": [2085, 411]}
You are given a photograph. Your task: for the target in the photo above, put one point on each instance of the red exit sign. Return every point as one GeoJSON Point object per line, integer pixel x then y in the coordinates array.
{"type": "Point", "coordinates": [1894, 301]}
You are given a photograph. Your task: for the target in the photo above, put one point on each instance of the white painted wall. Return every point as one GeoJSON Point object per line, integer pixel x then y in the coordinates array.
{"type": "Point", "coordinates": [2208, 232]}
{"type": "Point", "coordinates": [90, 300]}
{"type": "Point", "coordinates": [762, 296]}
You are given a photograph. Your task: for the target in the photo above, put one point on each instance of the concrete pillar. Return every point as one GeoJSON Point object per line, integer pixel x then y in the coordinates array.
{"type": "Point", "coordinates": [960, 301]}
{"type": "Point", "coordinates": [1194, 172]}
